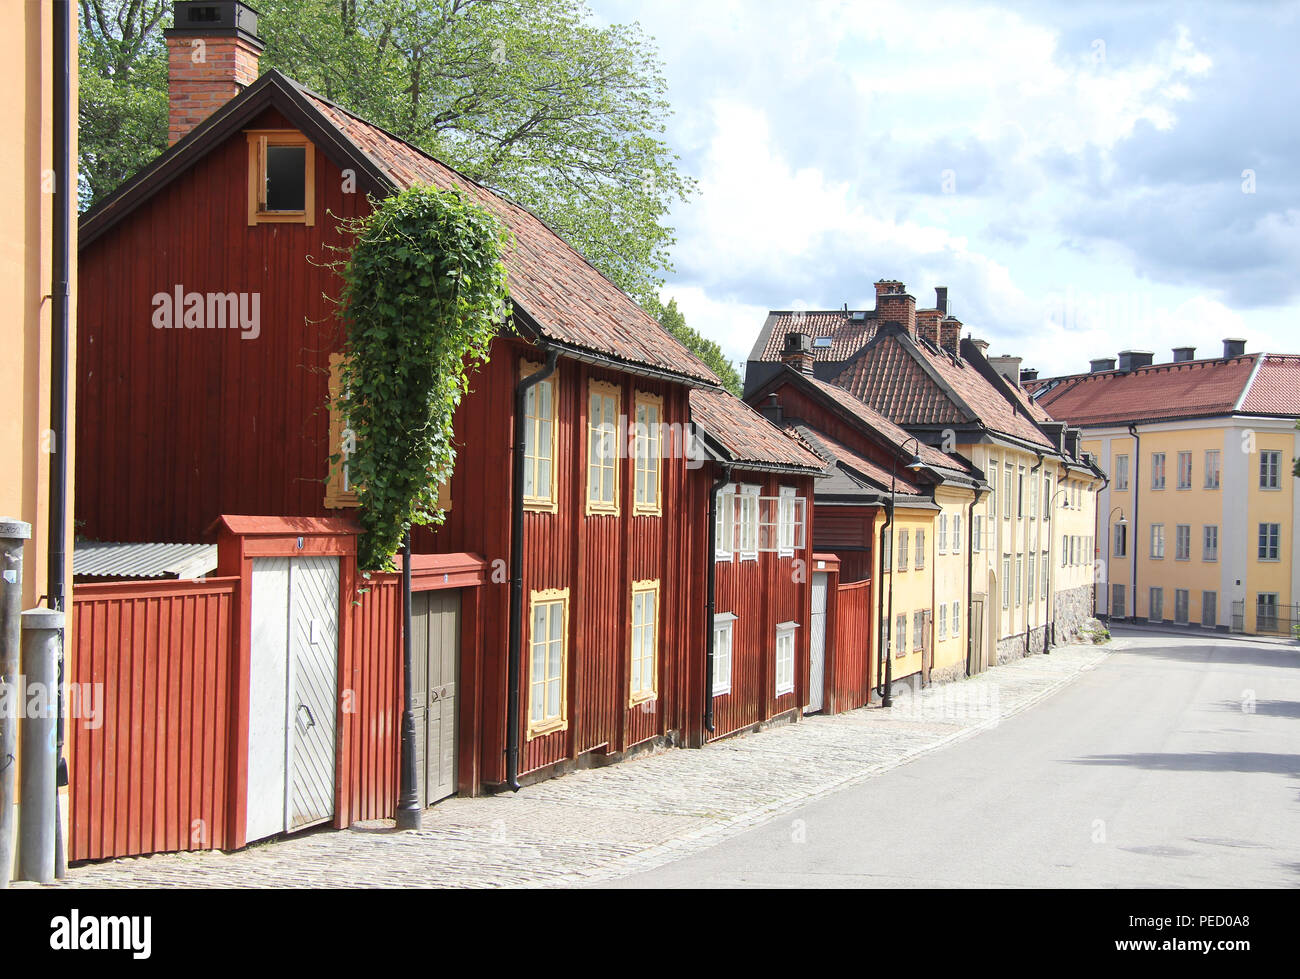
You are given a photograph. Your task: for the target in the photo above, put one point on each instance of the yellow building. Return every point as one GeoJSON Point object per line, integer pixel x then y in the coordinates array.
{"type": "Point", "coordinates": [913, 368]}
{"type": "Point", "coordinates": [1200, 524]}
{"type": "Point", "coordinates": [38, 207]}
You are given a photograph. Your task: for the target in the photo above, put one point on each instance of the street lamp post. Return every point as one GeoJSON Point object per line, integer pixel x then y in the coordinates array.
{"type": "Point", "coordinates": [886, 695]}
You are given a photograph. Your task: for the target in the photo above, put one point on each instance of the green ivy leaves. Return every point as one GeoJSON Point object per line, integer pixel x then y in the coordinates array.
{"type": "Point", "coordinates": [424, 295]}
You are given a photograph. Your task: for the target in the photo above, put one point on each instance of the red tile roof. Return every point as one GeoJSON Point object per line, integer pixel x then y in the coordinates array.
{"type": "Point", "coordinates": [571, 301]}
{"type": "Point", "coordinates": [1162, 392]}
{"type": "Point", "coordinates": [916, 385]}
{"type": "Point", "coordinates": [848, 335]}
{"type": "Point", "coordinates": [1276, 387]}
{"type": "Point", "coordinates": [745, 434]}
{"type": "Point", "coordinates": [835, 452]}
{"type": "Point", "coordinates": [883, 426]}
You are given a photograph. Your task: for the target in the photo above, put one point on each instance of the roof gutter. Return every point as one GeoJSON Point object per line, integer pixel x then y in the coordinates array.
{"type": "Point", "coordinates": [515, 648]}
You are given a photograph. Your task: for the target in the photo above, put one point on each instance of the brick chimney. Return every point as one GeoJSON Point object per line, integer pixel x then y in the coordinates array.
{"type": "Point", "coordinates": [212, 55]}
{"type": "Point", "coordinates": [950, 335]}
{"type": "Point", "coordinates": [927, 324]}
{"type": "Point", "coordinates": [798, 352]}
{"type": "Point", "coordinates": [894, 305]}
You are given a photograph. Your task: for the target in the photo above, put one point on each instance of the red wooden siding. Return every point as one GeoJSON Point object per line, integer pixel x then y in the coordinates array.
{"type": "Point", "coordinates": [154, 774]}
{"type": "Point", "coordinates": [763, 594]}
{"type": "Point", "coordinates": [851, 667]}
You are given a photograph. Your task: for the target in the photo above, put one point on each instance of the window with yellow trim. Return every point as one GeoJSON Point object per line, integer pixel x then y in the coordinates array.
{"type": "Point", "coordinates": [604, 401]}
{"type": "Point", "coordinates": [340, 492]}
{"type": "Point", "coordinates": [648, 452]}
{"type": "Point", "coordinates": [645, 642]}
{"type": "Point", "coordinates": [548, 662]}
{"type": "Point", "coordinates": [281, 177]}
{"type": "Point", "coordinates": [539, 442]}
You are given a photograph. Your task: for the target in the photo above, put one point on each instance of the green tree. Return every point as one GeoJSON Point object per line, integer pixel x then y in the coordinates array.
{"type": "Point", "coordinates": [672, 320]}
{"type": "Point", "coordinates": [122, 96]}
{"type": "Point", "coordinates": [525, 96]}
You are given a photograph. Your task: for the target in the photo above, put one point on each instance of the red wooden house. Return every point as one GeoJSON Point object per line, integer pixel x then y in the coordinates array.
{"type": "Point", "coordinates": [207, 339]}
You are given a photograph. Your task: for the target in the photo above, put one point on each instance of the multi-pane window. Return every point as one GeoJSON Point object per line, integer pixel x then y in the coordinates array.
{"type": "Point", "coordinates": [547, 640]}
{"type": "Point", "coordinates": [1020, 578]}
{"type": "Point", "coordinates": [785, 658]}
{"type": "Point", "coordinates": [1065, 551]}
{"type": "Point", "coordinates": [1031, 578]}
{"type": "Point", "coordinates": [539, 442]}
{"type": "Point", "coordinates": [1266, 612]}
{"type": "Point", "coordinates": [725, 523]}
{"type": "Point", "coordinates": [1270, 470]}
{"type": "Point", "coordinates": [920, 549]}
{"type": "Point", "coordinates": [1047, 497]}
{"type": "Point", "coordinates": [887, 555]}
{"type": "Point", "coordinates": [943, 621]}
{"type": "Point", "coordinates": [1156, 609]}
{"type": "Point", "coordinates": [648, 452]}
{"type": "Point", "coordinates": [1007, 476]}
{"type": "Point", "coordinates": [943, 533]}
{"type": "Point", "coordinates": [1121, 540]}
{"type": "Point", "coordinates": [1270, 541]}
{"type": "Point", "coordinates": [602, 447]}
{"type": "Point", "coordinates": [956, 533]}
{"type": "Point", "coordinates": [1033, 498]}
{"type": "Point", "coordinates": [977, 533]}
{"type": "Point", "coordinates": [1182, 605]}
{"type": "Point", "coordinates": [1020, 493]}
{"type": "Point", "coordinates": [1183, 542]}
{"type": "Point", "coordinates": [918, 631]}
{"type": "Point", "coordinates": [900, 631]}
{"type": "Point", "coordinates": [1157, 470]}
{"type": "Point", "coordinates": [790, 531]}
{"type": "Point", "coordinates": [723, 636]}
{"type": "Point", "coordinates": [747, 518]}
{"type": "Point", "coordinates": [1209, 608]}
{"type": "Point", "coordinates": [992, 501]}
{"type": "Point", "coordinates": [1006, 581]}
{"type": "Point", "coordinates": [1117, 600]}
{"type": "Point", "coordinates": [1121, 473]}
{"type": "Point", "coordinates": [1210, 543]}
{"type": "Point", "coordinates": [904, 539]}
{"type": "Point", "coordinates": [1212, 469]}
{"type": "Point", "coordinates": [1045, 570]}
{"type": "Point", "coordinates": [956, 618]}
{"type": "Point", "coordinates": [645, 642]}
{"type": "Point", "coordinates": [1157, 540]}
{"type": "Point", "coordinates": [1184, 470]}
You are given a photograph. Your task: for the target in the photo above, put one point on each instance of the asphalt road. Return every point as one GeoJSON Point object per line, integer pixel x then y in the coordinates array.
{"type": "Point", "coordinates": [1172, 764]}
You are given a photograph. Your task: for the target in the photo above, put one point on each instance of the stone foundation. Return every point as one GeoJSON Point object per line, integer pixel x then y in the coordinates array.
{"type": "Point", "coordinates": [1073, 610]}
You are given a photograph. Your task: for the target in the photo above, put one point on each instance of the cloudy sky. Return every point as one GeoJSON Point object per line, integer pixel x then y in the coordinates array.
{"type": "Point", "coordinates": [1084, 177]}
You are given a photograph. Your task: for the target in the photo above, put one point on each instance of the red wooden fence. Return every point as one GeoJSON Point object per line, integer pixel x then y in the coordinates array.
{"type": "Point", "coordinates": [853, 670]}
{"type": "Point", "coordinates": [151, 772]}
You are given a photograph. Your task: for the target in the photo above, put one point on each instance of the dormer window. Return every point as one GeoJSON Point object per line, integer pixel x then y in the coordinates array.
{"type": "Point", "coordinates": [281, 177]}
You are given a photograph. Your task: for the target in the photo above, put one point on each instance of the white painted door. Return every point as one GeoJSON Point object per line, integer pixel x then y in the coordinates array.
{"type": "Point", "coordinates": [817, 647]}
{"type": "Point", "coordinates": [293, 693]}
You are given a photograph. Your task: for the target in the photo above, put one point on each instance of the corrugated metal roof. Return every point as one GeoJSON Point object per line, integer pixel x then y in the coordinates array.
{"type": "Point", "coordinates": [99, 559]}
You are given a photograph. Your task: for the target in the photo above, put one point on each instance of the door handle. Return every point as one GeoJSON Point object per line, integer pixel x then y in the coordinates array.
{"type": "Point", "coordinates": [311, 721]}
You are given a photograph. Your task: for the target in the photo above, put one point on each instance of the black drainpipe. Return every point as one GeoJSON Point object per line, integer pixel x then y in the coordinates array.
{"type": "Point", "coordinates": [60, 330]}
{"type": "Point", "coordinates": [1134, 540]}
{"type": "Point", "coordinates": [886, 529]}
{"type": "Point", "coordinates": [517, 570]}
{"type": "Point", "coordinates": [723, 479]}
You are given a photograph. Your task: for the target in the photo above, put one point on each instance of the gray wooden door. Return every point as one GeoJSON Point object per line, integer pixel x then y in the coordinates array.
{"type": "Point", "coordinates": [435, 664]}
{"type": "Point", "coordinates": [314, 636]}
{"type": "Point", "coordinates": [293, 694]}
{"type": "Point", "coordinates": [817, 647]}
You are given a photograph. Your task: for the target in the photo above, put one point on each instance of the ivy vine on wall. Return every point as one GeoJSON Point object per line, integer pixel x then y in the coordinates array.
{"type": "Point", "coordinates": [424, 293]}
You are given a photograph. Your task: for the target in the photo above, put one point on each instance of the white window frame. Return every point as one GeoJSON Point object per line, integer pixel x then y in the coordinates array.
{"type": "Point", "coordinates": [900, 628]}
{"type": "Point", "coordinates": [919, 560]}
{"type": "Point", "coordinates": [1270, 469]}
{"type": "Point", "coordinates": [1270, 542]}
{"type": "Point", "coordinates": [1213, 469]}
{"type": "Point", "coordinates": [1182, 542]}
{"type": "Point", "coordinates": [724, 625]}
{"type": "Point", "coordinates": [956, 619]}
{"type": "Point", "coordinates": [943, 533]}
{"type": "Point", "coordinates": [787, 520]}
{"type": "Point", "coordinates": [1158, 470]}
{"type": "Point", "coordinates": [647, 454]}
{"type": "Point", "coordinates": [725, 524]}
{"type": "Point", "coordinates": [956, 533]}
{"type": "Point", "coordinates": [1006, 581]}
{"type": "Point", "coordinates": [1121, 473]}
{"type": "Point", "coordinates": [534, 423]}
{"type": "Point", "coordinates": [557, 602]}
{"type": "Point", "coordinates": [904, 548]}
{"type": "Point", "coordinates": [1210, 542]}
{"type": "Point", "coordinates": [1184, 469]}
{"type": "Point", "coordinates": [602, 446]}
{"type": "Point", "coordinates": [943, 622]}
{"type": "Point", "coordinates": [1157, 542]}
{"type": "Point", "coordinates": [786, 653]}
{"type": "Point", "coordinates": [747, 505]}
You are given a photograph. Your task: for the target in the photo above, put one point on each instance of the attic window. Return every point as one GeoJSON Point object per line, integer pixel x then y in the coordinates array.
{"type": "Point", "coordinates": [281, 177]}
{"type": "Point", "coordinates": [823, 341]}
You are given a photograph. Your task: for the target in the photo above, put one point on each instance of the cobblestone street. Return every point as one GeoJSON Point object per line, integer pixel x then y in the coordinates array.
{"type": "Point", "coordinates": [601, 824]}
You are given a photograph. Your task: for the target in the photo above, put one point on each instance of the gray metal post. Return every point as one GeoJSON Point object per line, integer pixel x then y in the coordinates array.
{"type": "Point", "coordinates": [13, 533]}
{"type": "Point", "coordinates": [38, 801]}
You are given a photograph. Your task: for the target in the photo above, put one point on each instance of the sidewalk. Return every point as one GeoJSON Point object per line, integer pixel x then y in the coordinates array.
{"type": "Point", "coordinates": [596, 825]}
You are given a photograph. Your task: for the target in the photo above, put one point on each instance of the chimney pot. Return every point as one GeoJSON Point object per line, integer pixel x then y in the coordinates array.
{"type": "Point", "coordinates": [894, 304]}
{"type": "Point", "coordinates": [1028, 374]}
{"type": "Point", "coordinates": [798, 352]}
{"type": "Point", "coordinates": [225, 33]}
{"type": "Point", "coordinates": [771, 409]}
{"type": "Point", "coordinates": [950, 335]}
{"type": "Point", "coordinates": [1100, 364]}
{"type": "Point", "coordinates": [1233, 347]}
{"type": "Point", "coordinates": [941, 299]}
{"type": "Point", "coordinates": [1131, 360]}
{"type": "Point", "coordinates": [1183, 354]}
